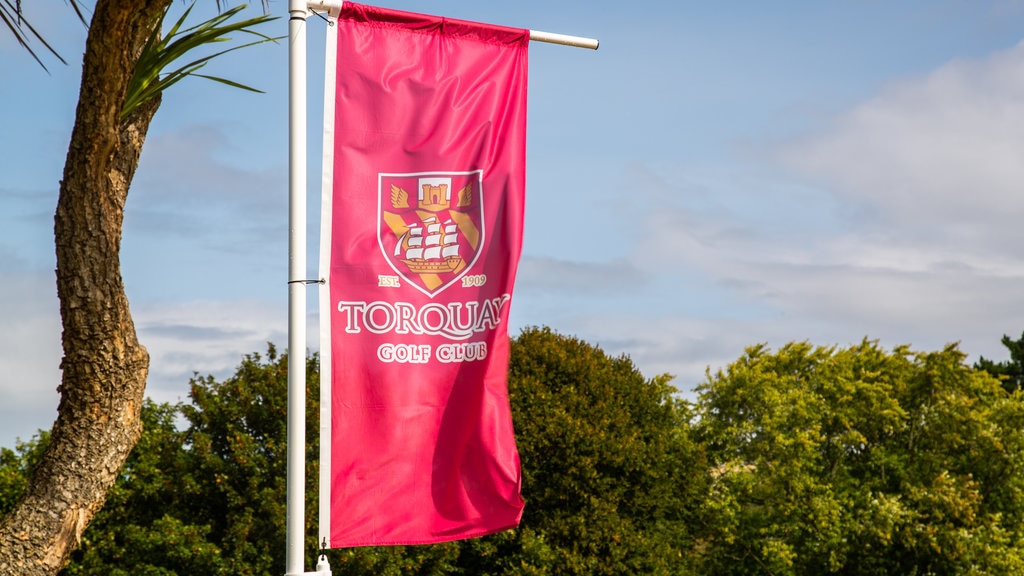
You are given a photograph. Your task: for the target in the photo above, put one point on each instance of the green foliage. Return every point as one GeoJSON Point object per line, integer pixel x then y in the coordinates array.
{"type": "Point", "coordinates": [159, 53]}
{"type": "Point", "coordinates": [16, 466]}
{"type": "Point", "coordinates": [609, 474]}
{"type": "Point", "coordinates": [236, 437]}
{"type": "Point", "coordinates": [608, 466]}
{"type": "Point", "coordinates": [146, 526]}
{"type": "Point", "coordinates": [151, 75]}
{"type": "Point", "coordinates": [208, 499]}
{"type": "Point", "coordinates": [861, 461]}
{"type": "Point", "coordinates": [1009, 372]}
{"type": "Point", "coordinates": [803, 461]}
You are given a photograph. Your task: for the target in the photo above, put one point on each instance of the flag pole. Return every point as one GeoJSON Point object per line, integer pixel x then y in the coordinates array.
{"type": "Point", "coordinates": [298, 11]}
{"type": "Point", "coordinates": [295, 480]}
{"type": "Point", "coordinates": [295, 499]}
{"type": "Point", "coordinates": [334, 7]}
{"type": "Point", "coordinates": [564, 39]}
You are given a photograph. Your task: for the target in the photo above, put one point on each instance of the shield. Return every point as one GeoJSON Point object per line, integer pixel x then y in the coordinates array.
{"type": "Point", "coordinates": [431, 226]}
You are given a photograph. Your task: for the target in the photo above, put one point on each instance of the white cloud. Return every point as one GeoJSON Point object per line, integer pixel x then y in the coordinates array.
{"type": "Point", "coordinates": [933, 159]}
{"type": "Point", "coordinates": [935, 164]}
{"type": "Point", "coordinates": [29, 353]}
{"type": "Point", "coordinates": [185, 187]}
{"type": "Point", "coordinates": [182, 338]}
{"type": "Point", "coordinates": [541, 273]}
{"type": "Point", "coordinates": [208, 337]}
{"type": "Point", "coordinates": [899, 221]}
{"type": "Point", "coordinates": [676, 344]}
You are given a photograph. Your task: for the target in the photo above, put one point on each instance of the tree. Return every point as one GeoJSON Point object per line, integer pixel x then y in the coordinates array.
{"type": "Point", "coordinates": [612, 480]}
{"type": "Point", "coordinates": [203, 500]}
{"type": "Point", "coordinates": [145, 526]}
{"type": "Point", "coordinates": [610, 474]}
{"type": "Point", "coordinates": [104, 365]}
{"type": "Point", "coordinates": [804, 461]}
{"type": "Point", "coordinates": [208, 499]}
{"type": "Point", "coordinates": [1009, 372]}
{"type": "Point", "coordinates": [861, 461]}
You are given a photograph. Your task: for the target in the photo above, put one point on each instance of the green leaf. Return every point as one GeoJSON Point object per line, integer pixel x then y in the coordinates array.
{"type": "Point", "coordinates": [160, 53]}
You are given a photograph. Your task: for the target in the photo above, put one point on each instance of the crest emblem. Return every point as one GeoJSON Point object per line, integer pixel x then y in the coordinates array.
{"type": "Point", "coordinates": [430, 227]}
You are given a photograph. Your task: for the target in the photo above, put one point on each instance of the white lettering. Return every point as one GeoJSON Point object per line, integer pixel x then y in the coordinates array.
{"type": "Point", "coordinates": [379, 317]}
{"type": "Point", "coordinates": [462, 352]}
{"type": "Point", "coordinates": [432, 318]}
{"type": "Point", "coordinates": [491, 313]}
{"type": "Point", "coordinates": [404, 353]}
{"type": "Point", "coordinates": [457, 320]}
{"type": "Point", "coordinates": [353, 312]}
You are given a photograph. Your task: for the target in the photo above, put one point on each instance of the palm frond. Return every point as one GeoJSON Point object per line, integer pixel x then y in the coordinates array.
{"type": "Point", "coordinates": [24, 32]}
{"type": "Point", "coordinates": [77, 6]}
{"type": "Point", "coordinates": [161, 52]}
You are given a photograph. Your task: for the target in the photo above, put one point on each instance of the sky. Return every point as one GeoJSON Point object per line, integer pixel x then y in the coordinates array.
{"type": "Point", "coordinates": [715, 176]}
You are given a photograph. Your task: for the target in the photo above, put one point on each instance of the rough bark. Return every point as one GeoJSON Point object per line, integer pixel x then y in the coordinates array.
{"type": "Point", "coordinates": [104, 366]}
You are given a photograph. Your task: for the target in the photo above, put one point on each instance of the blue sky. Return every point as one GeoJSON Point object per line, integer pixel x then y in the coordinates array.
{"type": "Point", "coordinates": [717, 175]}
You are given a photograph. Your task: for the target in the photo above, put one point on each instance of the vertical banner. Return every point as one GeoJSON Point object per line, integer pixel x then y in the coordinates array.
{"type": "Point", "coordinates": [424, 178]}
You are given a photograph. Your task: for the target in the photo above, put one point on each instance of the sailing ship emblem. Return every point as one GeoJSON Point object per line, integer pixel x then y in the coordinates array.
{"type": "Point", "coordinates": [430, 227]}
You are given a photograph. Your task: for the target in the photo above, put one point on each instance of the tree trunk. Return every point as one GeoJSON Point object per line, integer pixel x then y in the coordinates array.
{"type": "Point", "coordinates": [104, 366]}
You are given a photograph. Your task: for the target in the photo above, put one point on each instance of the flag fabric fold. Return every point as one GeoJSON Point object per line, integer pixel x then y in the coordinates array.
{"type": "Point", "coordinates": [422, 221]}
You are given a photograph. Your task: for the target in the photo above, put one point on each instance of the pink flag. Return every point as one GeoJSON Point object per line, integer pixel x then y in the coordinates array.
{"type": "Point", "coordinates": [425, 150]}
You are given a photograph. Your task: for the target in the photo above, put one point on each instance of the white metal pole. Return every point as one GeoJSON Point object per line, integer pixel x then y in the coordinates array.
{"type": "Point", "coordinates": [296, 475]}
{"type": "Point", "coordinates": [564, 39]}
